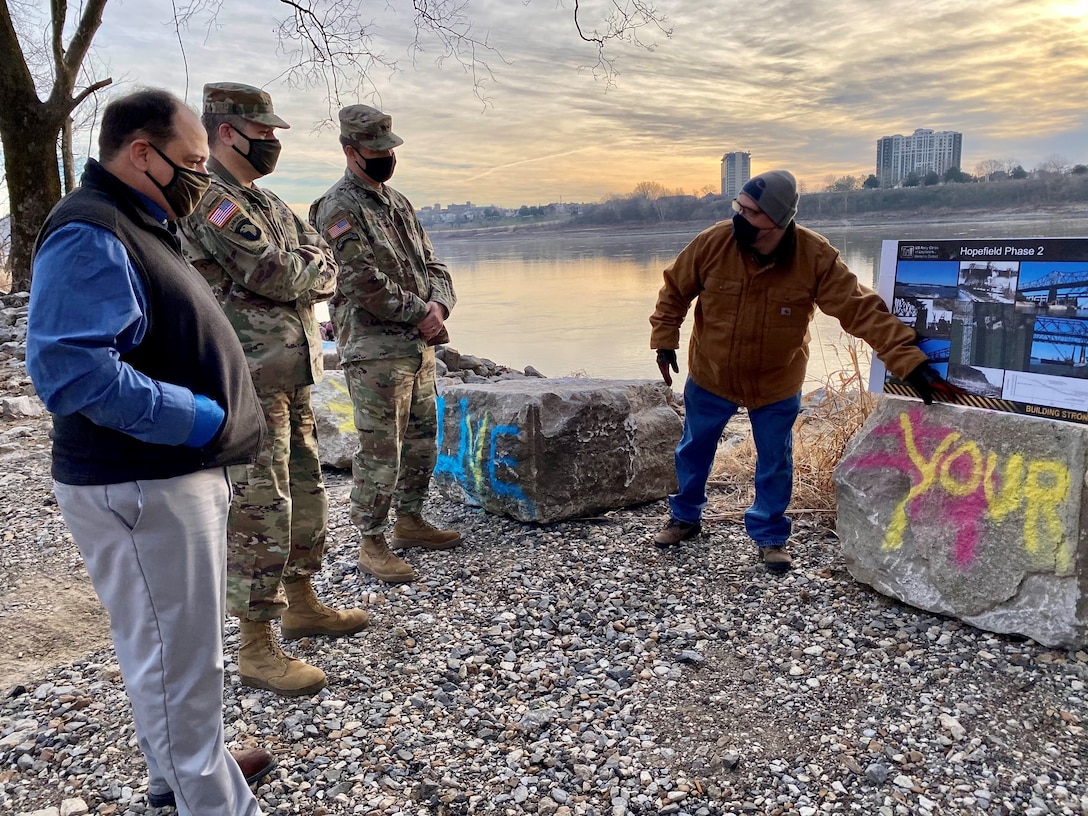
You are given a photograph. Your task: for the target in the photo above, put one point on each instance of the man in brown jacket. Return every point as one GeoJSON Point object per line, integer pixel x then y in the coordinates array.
{"type": "Point", "coordinates": [757, 282]}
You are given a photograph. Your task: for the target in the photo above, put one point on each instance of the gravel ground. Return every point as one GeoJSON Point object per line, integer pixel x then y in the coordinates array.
{"type": "Point", "coordinates": [564, 669]}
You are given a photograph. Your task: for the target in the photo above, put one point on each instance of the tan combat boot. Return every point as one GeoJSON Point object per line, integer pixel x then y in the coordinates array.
{"type": "Point", "coordinates": [378, 560]}
{"type": "Point", "coordinates": [306, 615]}
{"type": "Point", "coordinates": [262, 664]}
{"type": "Point", "coordinates": [416, 531]}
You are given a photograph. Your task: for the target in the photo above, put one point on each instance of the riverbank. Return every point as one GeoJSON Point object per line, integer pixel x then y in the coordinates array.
{"type": "Point", "coordinates": [569, 669]}
{"type": "Point", "coordinates": [863, 219]}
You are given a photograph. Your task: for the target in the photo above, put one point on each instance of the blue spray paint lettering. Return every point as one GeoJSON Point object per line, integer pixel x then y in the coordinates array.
{"type": "Point", "coordinates": [475, 465]}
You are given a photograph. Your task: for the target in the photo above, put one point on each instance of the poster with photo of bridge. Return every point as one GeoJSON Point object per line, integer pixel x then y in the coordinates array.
{"type": "Point", "coordinates": [1004, 320]}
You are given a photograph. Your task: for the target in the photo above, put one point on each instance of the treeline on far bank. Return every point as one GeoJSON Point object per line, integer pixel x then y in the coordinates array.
{"type": "Point", "coordinates": [1051, 190]}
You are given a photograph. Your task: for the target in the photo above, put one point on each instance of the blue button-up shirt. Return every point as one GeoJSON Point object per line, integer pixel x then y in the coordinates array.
{"type": "Point", "coordinates": [88, 307]}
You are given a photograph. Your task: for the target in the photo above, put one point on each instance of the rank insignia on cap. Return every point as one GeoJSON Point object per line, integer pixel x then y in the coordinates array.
{"type": "Point", "coordinates": [338, 229]}
{"type": "Point", "coordinates": [222, 214]}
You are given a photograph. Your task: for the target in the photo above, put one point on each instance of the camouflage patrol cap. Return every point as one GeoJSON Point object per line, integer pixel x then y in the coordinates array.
{"type": "Point", "coordinates": [368, 127]}
{"type": "Point", "coordinates": [241, 100]}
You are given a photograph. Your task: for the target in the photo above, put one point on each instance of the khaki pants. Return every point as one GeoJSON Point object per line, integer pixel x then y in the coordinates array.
{"type": "Point", "coordinates": [156, 554]}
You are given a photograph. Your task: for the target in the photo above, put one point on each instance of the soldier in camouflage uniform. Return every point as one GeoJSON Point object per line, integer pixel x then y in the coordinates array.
{"type": "Point", "coordinates": [392, 299]}
{"type": "Point", "coordinates": [267, 268]}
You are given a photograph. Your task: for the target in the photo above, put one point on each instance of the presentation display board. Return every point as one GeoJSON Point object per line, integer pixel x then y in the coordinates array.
{"type": "Point", "coordinates": [1005, 320]}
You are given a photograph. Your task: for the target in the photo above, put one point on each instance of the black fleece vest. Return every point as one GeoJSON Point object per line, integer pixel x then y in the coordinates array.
{"type": "Point", "coordinates": [188, 342]}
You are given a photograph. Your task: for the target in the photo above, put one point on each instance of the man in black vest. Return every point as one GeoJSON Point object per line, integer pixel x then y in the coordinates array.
{"type": "Point", "coordinates": [151, 400]}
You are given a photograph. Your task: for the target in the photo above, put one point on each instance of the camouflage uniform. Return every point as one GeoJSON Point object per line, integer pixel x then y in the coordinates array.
{"type": "Point", "coordinates": [388, 273]}
{"type": "Point", "coordinates": [268, 267]}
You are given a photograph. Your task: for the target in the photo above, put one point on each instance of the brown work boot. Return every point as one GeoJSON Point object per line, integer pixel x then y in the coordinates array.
{"type": "Point", "coordinates": [416, 531]}
{"type": "Point", "coordinates": [676, 531]}
{"type": "Point", "coordinates": [776, 558]}
{"type": "Point", "coordinates": [262, 664]}
{"type": "Point", "coordinates": [306, 615]}
{"type": "Point", "coordinates": [375, 558]}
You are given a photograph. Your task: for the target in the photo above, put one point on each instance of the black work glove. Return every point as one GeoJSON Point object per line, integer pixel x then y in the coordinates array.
{"type": "Point", "coordinates": [932, 386]}
{"type": "Point", "coordinates": [666, 359]}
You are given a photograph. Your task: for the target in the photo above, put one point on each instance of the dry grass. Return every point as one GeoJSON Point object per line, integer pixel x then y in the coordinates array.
{"type": "Point", "coordinates": [829, 419]}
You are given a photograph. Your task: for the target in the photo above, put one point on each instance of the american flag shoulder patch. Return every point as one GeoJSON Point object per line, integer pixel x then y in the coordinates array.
{"type": "Point", "coordinates": [339, 228]}
{"type": "Point", "coordinates": [222, 213]}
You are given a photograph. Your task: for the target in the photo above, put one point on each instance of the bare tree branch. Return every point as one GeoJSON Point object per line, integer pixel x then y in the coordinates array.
{"type": "Point", "coordinates": [94, 87]}
{"type": "Point", "coordinates": [447, 22]}
{"type": "Point", "coordinates": [181, 46]}
{"type": "Point", "coordinates": [624, 22]}
{"type": "Point", "coordinates": [58, 14]}
{"type": "Point", "coordinates": [89, 23]}
{"type": "Point", "coordinates": [329, 44]}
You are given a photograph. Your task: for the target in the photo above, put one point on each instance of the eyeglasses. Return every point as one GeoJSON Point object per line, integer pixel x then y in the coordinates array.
{"type": "Point", "coordinates": [747, 212]}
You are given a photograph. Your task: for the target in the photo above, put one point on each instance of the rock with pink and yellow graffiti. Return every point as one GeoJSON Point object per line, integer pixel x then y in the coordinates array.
{"type": "Point", "coordinates": [975, 514]}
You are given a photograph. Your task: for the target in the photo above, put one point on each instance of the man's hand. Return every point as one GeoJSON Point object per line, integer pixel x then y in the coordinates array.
{"type": "Point", "coordinates": [666, 359]}
{"type": "Point", "coordinates": [433, 324]}
{"type": "Point", "coordinates": [932, 386]}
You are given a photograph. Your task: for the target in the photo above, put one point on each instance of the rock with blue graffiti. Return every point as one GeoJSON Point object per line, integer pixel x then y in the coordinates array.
{"type": "Point", "coordinates": [976, 514]}
{"type": "Point", "coordinates": [337, 437]}
{"type": "Point", "coordinates": [543, 450]}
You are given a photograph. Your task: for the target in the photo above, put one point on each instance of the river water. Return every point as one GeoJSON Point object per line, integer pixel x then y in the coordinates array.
{"type": "Point", "coordinates": [579, 302]}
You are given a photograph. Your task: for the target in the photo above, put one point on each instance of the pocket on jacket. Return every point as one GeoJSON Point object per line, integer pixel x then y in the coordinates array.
{"type": "Point", "coordinates": [721, 298]}
{"type": "Point", "coordinates": [789, 308]}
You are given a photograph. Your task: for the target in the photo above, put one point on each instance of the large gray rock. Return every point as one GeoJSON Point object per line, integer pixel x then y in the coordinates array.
{"type": "Point", "coordinates": [23, 407]}
{"type": "Point", "coordinates": [548, 449]}
{"type": "Point", "coordinates": [336, 435]}
{"type": "Point", "coordinates": [974, 514]}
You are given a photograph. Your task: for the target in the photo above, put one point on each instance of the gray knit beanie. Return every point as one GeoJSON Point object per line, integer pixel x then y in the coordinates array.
{"type": "Point", "coordinates": [776, 193]}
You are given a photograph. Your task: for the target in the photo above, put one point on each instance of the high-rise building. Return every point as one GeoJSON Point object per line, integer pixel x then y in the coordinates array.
{"type": "Point", "coordinates": [923, 152]}
{"type": "Point", "coordinates": [736, 171]}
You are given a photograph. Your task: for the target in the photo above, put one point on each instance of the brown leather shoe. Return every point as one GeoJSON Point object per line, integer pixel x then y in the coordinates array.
{"type": "Point", "coordinates": [255, 764]}
{"type": "Point", "coordinates": [416, 531]}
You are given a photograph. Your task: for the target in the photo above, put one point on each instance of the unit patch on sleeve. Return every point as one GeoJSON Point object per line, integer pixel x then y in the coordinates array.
{"type": "Point", "coordinates": [248, 230]}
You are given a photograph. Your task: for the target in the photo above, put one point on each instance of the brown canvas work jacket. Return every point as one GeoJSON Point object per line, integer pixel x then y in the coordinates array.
{"type": "Point", "coordinates": [750, 341]}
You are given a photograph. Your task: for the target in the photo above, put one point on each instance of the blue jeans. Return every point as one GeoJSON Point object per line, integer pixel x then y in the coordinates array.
{"type": "Point", "coordinates": [705, 417]}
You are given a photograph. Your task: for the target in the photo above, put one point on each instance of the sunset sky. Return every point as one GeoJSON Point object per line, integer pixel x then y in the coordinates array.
{"type": "Point", "coordinates": [808, 85]}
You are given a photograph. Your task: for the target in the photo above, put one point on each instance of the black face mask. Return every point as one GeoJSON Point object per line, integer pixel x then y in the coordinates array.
{"type": "Point", "coordinates": [184, 191]}
{"type": "Point", "coordinates": [262, 154]}
{"type": "Point", "coordinates": [744, 231]}
{"type": "Point", "coordinates": [381, 169]}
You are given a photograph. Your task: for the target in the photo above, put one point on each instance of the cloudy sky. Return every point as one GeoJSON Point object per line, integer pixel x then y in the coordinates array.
{"type": "Point", "coordinates": [808, 85]}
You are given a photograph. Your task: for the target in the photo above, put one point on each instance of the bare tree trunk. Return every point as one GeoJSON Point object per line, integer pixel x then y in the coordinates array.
{"type": "Point", "coordinates": [68, 156]}
{"type": "Point", "coordinates": [29, 127]}
{"type": "Point", "coordinates": [33, 188]}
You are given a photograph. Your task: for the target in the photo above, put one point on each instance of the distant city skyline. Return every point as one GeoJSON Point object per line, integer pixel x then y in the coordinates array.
{"type": "Point", "coordinates": [810, 93]}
